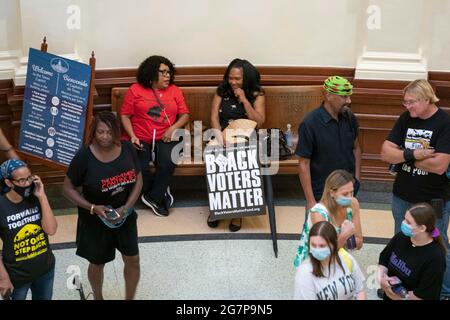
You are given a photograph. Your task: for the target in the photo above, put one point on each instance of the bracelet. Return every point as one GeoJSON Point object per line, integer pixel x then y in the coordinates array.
{"type": "Point", "coordinates": [92, 209]}
{"type": "Point", "coordinates": [408, 154]}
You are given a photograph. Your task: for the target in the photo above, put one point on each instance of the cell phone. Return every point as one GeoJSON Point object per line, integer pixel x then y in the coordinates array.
{"type": "Point", "coordinates": [398, 288]}
{"type": "Point", "coordinates": [112, 214]}
{"type": "Point", "coordinates": [138, 146]}
{"type": "Point", "coordinates": [7, 296]}
{"type": "Point", "coordinates": [351, 242]}
{"type": "Point", "coordinates": [37, 185]}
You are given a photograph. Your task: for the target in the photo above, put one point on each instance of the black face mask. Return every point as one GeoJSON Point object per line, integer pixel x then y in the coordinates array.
{"type": "Point", "coordinates": [25, 192]}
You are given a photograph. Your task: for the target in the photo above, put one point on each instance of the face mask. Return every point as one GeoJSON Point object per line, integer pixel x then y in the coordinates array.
{"type": "Point", "coordinates": [344, 201]}
{"type": "Point", "coordinates": [24, 192]}
{"type": "Point", "coordinates": [320, 253]}
{"type": "Point", "coordinates": [407, 229]}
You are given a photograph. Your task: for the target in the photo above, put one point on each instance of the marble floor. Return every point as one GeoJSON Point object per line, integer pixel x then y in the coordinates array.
{"type": "Point", "coordinates": [182, 258]}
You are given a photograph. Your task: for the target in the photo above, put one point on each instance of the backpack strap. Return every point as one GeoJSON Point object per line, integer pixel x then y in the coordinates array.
{"type": "Point", "coordinates": [347, 260]}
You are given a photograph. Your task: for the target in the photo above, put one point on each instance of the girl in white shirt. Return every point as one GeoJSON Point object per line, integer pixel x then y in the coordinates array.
{"type": "Point", "coordinates": [329, 273]}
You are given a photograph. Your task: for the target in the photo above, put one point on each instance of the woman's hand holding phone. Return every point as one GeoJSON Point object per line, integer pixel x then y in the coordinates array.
{"type": "Point", "coordinates": [38, 186]}
{"type": "Point", "coordinates": [136, 143]}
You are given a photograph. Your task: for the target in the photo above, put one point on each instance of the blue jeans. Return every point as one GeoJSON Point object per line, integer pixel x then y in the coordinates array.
{"type": "Point", "coordinates": [399, 208]}
{"type": "Point", "coordinates": [41, 288]}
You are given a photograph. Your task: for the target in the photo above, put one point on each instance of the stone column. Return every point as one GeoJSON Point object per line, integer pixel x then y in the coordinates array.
{"type": "Point", "coordinates": [394, 45]}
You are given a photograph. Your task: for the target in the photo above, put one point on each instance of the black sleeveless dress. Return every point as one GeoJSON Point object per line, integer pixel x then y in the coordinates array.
{"type": "Point", "coordinates": [230, 109]}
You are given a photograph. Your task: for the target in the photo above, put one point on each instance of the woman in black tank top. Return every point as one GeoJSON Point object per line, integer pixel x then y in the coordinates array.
{"type": "Point", "coordinates": [239, 96]}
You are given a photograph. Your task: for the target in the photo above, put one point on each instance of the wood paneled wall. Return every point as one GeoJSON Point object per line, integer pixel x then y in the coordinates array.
{"type": "Point", "coordinates": [377, 104]}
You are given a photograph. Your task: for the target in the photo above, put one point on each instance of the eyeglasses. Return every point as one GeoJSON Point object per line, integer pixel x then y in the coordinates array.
{"type": "Point", "coordinates": [409, 102]}
{"type": "Point", "coordinates": [165, 73]}
{"type": "Point", "coordinates": [24, 181]}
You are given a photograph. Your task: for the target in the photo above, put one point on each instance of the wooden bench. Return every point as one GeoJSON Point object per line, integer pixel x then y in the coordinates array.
{"type": "Point", "coordinates": [284, 104]}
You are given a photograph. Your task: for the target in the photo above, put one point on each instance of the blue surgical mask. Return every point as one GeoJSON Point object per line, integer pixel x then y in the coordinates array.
{"type": "Point", "coordinates": [344, 201]}
{"type": "Point", "coordinates": [407, 229]}
{"type": "Point", "coordinates": [320, 253]}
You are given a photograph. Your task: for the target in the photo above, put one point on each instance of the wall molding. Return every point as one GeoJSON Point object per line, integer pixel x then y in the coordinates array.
{"type": "Point", "coordinates": [21, 71]}
{"type": "Point", "coordinates": [9, 62]}
{"type": "Point", "coordinates": [377, 65]}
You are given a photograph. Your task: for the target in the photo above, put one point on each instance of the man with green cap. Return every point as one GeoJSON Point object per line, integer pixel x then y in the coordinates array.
{"type": "Point", "coordinates": [328, 140]}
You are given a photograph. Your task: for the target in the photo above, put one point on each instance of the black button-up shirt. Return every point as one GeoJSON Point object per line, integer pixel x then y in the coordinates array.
{"type": "Point", "coordinates": [328, 144]}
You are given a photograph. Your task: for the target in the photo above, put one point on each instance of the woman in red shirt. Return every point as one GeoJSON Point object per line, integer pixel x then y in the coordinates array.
{"type": "Point", "coordinates": [152, 110]}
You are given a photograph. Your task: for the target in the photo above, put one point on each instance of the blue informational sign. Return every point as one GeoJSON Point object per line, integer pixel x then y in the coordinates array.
{"type": "Point", "coordinates": [54, 107]}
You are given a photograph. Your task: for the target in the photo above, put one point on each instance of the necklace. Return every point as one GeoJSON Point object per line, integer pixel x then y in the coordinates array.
{"type": "Point", "coordinates": [420, 245]}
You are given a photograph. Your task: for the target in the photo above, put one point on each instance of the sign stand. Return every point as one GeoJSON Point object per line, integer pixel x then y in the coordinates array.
{"type": "Point", "coordinates": [89, 114]}
{"type": "Point", "coordinates": [271, 211]}
{"type": "Point", "coordinates": [90, 106]}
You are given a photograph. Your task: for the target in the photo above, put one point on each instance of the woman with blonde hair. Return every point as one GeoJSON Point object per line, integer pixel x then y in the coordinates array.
{"type": "Point", "coordinates": [419, 146]}
{"type": "Point", "coordinates": [340, 208]}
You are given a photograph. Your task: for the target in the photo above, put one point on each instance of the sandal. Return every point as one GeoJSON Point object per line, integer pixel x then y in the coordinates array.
{"type": "Point", "coordinates": [211, 223]}
{"type": "Point", "coordinates": [235, 227]}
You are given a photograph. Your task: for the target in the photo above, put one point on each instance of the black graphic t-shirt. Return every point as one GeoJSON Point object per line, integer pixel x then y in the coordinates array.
{"type": "Point", "coordinates": [413, 184]}
{"type": "Point", "coordinates": [26, 250]}
{"type": "Point", "coordinates": [104, 183]}
{"type": "Point", "coordinates": [421, 269]}
{"type": "Point", "coordinates": [230, 109]}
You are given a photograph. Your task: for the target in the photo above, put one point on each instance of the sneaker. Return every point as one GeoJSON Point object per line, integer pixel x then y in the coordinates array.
{"type": "Point", "coordinates": [158, 209]}
{"type": "Point", "coordinates": [168, 199]}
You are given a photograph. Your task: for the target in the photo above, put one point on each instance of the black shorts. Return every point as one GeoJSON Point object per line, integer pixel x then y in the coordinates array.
{"type": "Point", "coordinates": [97, 243]}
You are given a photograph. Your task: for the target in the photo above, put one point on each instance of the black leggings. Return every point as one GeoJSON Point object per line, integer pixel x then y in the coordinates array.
{"type": "Point", "coordinates": [156, 185]}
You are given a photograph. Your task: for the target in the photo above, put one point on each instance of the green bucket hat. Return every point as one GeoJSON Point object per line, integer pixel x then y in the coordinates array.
{"type": "Point", "coordinates": [338, 85]}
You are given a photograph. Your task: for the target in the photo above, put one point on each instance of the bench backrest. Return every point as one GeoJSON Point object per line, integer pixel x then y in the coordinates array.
{"type": "Point", "coordinates": [284, 104]}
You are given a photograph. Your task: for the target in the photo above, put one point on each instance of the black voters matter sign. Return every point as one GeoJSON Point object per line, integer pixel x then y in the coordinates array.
{"type": "Point", "coordinates": [235, 185]}
{"type": "Point", "coordinates": [54, 107]}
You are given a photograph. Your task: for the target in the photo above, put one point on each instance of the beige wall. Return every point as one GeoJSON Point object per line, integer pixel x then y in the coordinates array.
{"type": "Point", "coordinates": [212, 32]}
{"type": "Point", "coordinates": [439, 37]}
{"type": "Point", "coordinates": [10, 33]}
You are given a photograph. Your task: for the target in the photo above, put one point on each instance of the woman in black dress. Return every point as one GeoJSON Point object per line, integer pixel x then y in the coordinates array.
{"type": "Point", "coordinates": [239, 96]}
{"type": "Point", "coordinates": [106, 175]}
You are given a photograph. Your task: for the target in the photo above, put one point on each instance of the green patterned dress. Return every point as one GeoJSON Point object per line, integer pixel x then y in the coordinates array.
{"type": "Point", "coordinates": [303, 248]}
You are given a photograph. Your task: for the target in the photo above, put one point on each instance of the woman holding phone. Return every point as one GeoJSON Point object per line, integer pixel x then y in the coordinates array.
{"type": "Point", "coordinates": [26, 220]}
{"type": "Point", "coordinates": [104, 181]}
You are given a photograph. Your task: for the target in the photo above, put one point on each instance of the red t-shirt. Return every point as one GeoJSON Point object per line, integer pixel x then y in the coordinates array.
{"type": "Point", "coordinates": [146, 114]}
